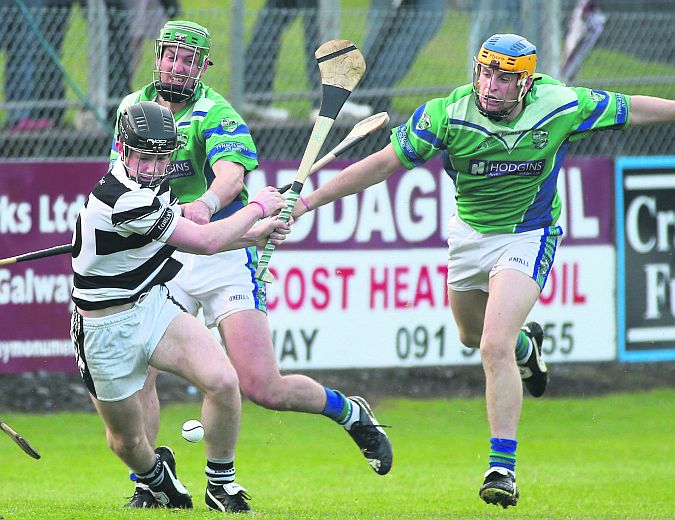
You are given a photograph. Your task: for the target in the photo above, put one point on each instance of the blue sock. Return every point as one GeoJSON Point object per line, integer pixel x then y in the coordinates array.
{"type": "Point", "coordinates": [503, 453]}
{"type": "Point", "coordinates": [337, 406]}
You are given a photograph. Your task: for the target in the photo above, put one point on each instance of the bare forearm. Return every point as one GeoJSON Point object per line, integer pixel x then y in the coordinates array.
{"type": "Point", "coordinates": [355, 178]}
{"type": "Point", "coordinates": [222, 235]}
{"type": "Point", "coordinates": [648, 110]}
{"type": "Point", "coordinates": [231, 233]}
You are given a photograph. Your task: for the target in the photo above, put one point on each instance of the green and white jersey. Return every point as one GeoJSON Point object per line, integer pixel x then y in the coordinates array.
{"type": "Point", "coordinates": [209, 129]}
{"type": "Point", "coordinates": [506, 172]}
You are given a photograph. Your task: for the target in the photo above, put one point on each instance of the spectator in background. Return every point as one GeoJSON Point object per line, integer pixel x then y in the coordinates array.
{"type": "Point", "coordinates": [396, 33]}
{"type": "Point", "coordinates": [36, 77]}
{"type": "Point", "coordinates": [31, 77]}
{"type": "Point", "coordinates": [262, 55]}
{"type": "Point", "coordinates": [150, 15]}
{"type": "Point", "coordinates": [19, 71]}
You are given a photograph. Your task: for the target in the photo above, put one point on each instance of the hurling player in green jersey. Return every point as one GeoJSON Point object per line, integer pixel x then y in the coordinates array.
{"type": "Point", "coordinates": [207, 174]}
{"type": "Point", "coordinates": [504, 138]}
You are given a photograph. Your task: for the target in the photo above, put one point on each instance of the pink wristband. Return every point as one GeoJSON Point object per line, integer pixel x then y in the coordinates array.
{"type": "Point", "coordinates": [305, 203]}
{"type": "Point", "coordinates": [262, 207]}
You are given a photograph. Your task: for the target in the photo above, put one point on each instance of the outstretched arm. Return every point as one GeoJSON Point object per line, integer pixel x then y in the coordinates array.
{"type": "Point", "coordinates": [648, 110]}
{"type": "Point", "coordinates": [233, 232]}
{"type": "Point", "coordinates": [355, 178]}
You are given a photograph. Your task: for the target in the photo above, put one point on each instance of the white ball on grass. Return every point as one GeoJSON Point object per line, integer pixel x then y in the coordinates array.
{"type": "Point", "coordinates": [192, 431]}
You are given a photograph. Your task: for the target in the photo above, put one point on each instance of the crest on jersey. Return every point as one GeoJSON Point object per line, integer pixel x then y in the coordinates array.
{"type": "Point", "coordinates": [424, 123]}
{"type": "Point", "coordinates": [228, 124]}
{"type": "Point", "coordinates": [182, 140]}
{"type": "Point", "coordinates": [597, 96]}
{"type": "Point", "coordinates": [539, 139]}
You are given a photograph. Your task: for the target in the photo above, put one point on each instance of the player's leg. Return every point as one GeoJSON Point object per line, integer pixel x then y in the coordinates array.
{"type": "Point", "coordinates": [142, 498]}
{"type": "Point", "coordinates": [189, 350]}
{"type": "Point", "coordinates": [112, 352]}
{"type": "Point", "coordinates": [512, 296]}
{"type": "Point", "coordinates": [249, 344]}
{"type": "Point", "coordinates": [155, 470]}
{"type": "Point", "coordinates": [468, 309]}
{"type": "Point", "coordinates": [125, 431]}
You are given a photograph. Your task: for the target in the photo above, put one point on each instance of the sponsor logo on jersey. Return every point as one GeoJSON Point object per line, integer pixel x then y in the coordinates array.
{"type": "Point", "coordinates": [620, 109]}
{"type": "Point", "coordinates": [539, 139]}
{"type": "Point", "coordinates": [231, 147]}
{"type": "Point", "coordinates": [404, 143]}
{"type": "Point", "coordinates": [499, 168]}
{"type": "Point", "coordinates": [178, 169]}
{"type": "Point", "coordinates": [424, 123]}
{"type": "Point", "coordinates": [164, 221]}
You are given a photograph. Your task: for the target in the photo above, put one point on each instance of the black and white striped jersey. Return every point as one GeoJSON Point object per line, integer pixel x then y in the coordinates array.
{"type": "Point", "coordinates": [119, 248]}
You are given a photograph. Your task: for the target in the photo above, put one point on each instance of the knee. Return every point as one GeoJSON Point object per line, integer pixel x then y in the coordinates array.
{"type": "Point", "coordinates": [469, 338]}
{"type": "Point", "coordinates": [264, 392]}
{"type": "Point", "coordinates": [496, 350]}
{"type": "Point", "coordinates": [123, 444]}
{"type": "Point", "coordinates": [224, 386]}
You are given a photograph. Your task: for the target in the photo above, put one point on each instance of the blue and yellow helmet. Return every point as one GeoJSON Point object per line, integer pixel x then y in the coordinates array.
{"type": "Point", "coordinates": [509, 53]}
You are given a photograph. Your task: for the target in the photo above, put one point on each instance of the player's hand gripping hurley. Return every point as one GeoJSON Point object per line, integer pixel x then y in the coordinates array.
{"type": "Point", "coordinates": [341, 66]}
{"type": "Point", "coordinates": [361, 130]}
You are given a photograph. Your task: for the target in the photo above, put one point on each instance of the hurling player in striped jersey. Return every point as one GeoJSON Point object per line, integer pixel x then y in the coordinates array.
{"type": "Point", "coordinates": [125, 319]}
{"type": "Point", "coordinates": [503, 138]}
{"type": "Point", "coordinates": [207, 175]}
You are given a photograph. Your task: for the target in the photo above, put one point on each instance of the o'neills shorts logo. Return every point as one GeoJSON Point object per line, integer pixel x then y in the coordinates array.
{"type": "Point", "coordinates": [498, 168]}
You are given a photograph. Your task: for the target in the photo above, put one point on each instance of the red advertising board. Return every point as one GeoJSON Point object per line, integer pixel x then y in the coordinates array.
{"type": "Point", "coordinates": [39, 204]}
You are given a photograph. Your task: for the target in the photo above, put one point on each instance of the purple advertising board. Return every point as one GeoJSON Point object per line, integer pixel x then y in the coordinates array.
{"type": "Point", "coordinates": [39, 204]}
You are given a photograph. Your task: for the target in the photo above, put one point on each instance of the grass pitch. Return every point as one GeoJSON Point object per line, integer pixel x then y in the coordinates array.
{"type": "Point", "coordinates": [599, 458]}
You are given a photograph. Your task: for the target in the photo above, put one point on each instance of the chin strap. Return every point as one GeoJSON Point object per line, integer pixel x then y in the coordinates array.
{"type": "Point", "coordinates": [170, 94]}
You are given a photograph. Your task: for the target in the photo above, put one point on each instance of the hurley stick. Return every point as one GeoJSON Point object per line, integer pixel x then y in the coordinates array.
{"type": "Point", "coordinates": [42, 253]}
{"type": "Point", "coordinates": [23, 443]}
{"type": "Point", "coordinates": [361, 130]}
{"type": "Point", "coordinates": [341, 66]}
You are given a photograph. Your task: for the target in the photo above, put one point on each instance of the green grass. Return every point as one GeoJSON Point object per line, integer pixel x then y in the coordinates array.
{"type": "Point", "coordinates": [600, 458]}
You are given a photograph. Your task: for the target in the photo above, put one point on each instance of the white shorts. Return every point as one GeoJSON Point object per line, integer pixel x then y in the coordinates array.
{"type": "Point", "coordinates": [113, 352]}
{"type": "Point", "coordinates": [221, 284]}
{"type": "Point", "coordinates": [474, 257]}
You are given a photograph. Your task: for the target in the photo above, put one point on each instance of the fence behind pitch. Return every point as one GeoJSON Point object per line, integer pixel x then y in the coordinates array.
{"type": "Point", "coordinates": [63, 65]}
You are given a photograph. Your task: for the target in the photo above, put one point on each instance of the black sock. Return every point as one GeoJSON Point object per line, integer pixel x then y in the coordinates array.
{"type": "Point", "coordinates": [154, 476]}
{"type": "Point", "coordinates": [220, 471]}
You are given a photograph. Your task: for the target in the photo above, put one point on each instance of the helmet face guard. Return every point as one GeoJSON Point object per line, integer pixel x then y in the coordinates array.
{"type": "Point", "coordinates": [190, 44]}
{"type": "Point", "coordinates": [147, 169]}
{"type": "Point", "coordinates": [501, 71]}
{"type": "Point", "coordinates": [149, 130]}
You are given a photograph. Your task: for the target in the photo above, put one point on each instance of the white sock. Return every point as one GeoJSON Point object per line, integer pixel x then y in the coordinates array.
{"type": "Point", "coordinates": [354, 416]}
